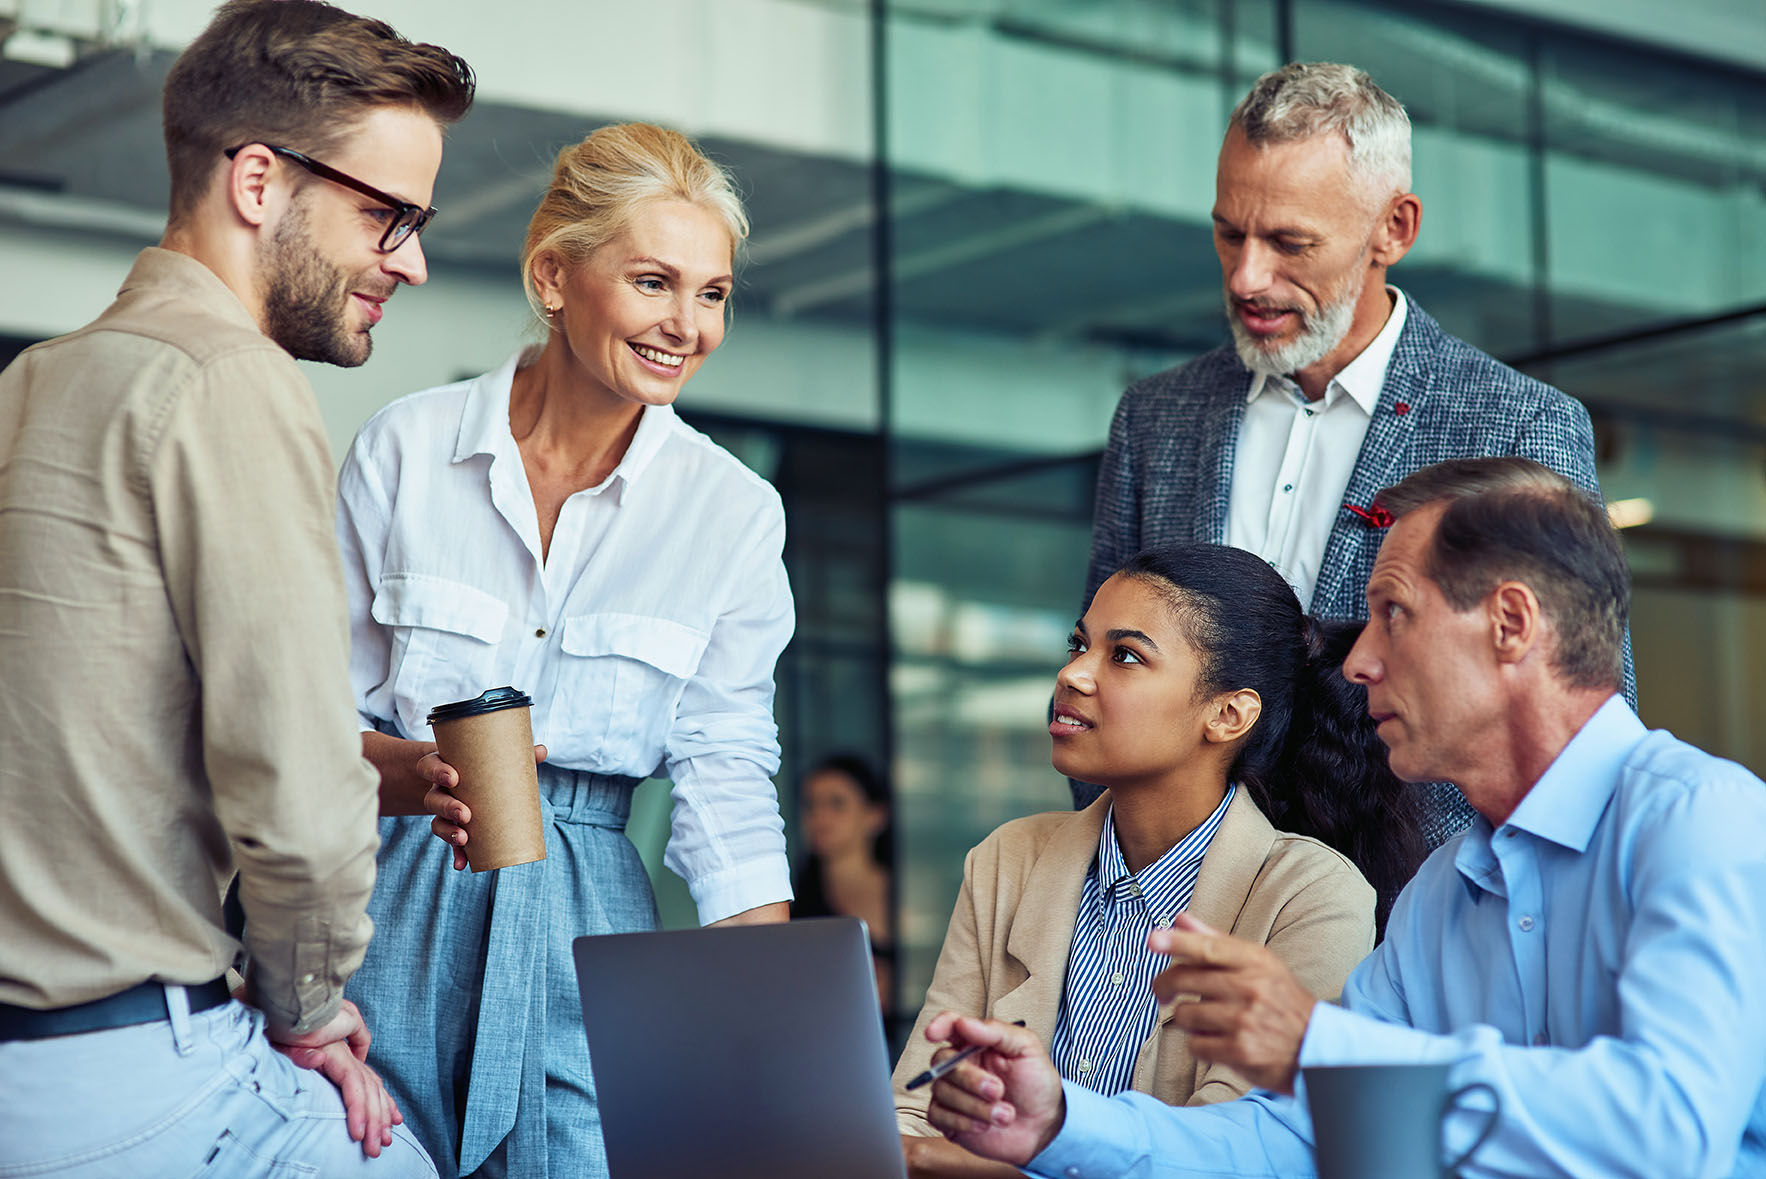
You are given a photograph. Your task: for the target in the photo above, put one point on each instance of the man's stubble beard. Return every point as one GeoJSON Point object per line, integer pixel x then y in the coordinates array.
{"type": "Point", "coordinates": [306, 299]}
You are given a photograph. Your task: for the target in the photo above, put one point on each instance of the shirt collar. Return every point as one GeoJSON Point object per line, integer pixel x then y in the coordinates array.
{"type": "Point", "coordinates": [156, 266]}
{"type": "Point", "coordinates": [484, 424]}
{"type": "Point", "coordinates": [1167, 882]}
{"type": "Point", "coordinates": [1567, 802]}
{"type": "Point", "coordinates": [1362, 379]}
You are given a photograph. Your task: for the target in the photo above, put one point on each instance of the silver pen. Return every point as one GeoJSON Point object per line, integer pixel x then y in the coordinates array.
{"type": "Point", "coordinates": [950, 1062]}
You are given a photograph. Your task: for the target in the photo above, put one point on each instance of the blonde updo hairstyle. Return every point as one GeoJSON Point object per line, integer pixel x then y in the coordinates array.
{"type": "Point", "coordinates": [599, 183]}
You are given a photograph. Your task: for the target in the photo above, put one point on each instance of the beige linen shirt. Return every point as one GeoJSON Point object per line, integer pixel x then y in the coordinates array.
{"type": "Point", "coordinates": [1005, 954]}
{"type": "Point", "coordinates": [174, 695]}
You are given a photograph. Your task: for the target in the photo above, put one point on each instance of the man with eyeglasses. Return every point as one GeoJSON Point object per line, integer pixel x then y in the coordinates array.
{"type": "Point", "coordinates": [175, 702]}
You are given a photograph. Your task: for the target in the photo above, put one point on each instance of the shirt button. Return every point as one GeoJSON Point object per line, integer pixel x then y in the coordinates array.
{"type": "Point", "coordinates": [1287, 487]}
{"type": "Point", "coordinates": [1118, 979]}
{"type": "Point", "coordinates": [1163, 923]}
{"type": "Point", "coordinates": [1526, 924]}
{"type": "Point", "coordinates": [1309, 413]}
{"type": "Point", "coordinates": [539, 633]}
{"type": "Point", "coordinates": [1134, 889]}
{"type": "Point", "coordinates": [1084, 1065]}
{"type": "Point", "coordinates": [306, 980]}
{"type": "Point", "coordinates": [1540, 1040]}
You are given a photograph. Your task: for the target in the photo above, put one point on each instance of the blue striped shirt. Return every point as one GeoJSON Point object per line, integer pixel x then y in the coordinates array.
{"type": "Point", "coordinates": [1107, 1004]}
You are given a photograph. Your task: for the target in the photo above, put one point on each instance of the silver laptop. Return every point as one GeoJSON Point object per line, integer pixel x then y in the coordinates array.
{"type": "Point", "coordinates": [746, 1052]}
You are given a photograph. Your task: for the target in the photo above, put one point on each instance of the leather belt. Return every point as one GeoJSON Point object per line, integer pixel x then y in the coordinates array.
{"type": "Point", "coordinates": [142, 1003]}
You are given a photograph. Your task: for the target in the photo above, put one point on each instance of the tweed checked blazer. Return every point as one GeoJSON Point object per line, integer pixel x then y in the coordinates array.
{"type": "Point", "coordinates": [1166, 476]}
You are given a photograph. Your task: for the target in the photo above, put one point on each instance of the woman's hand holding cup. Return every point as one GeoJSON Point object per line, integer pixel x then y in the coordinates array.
{"type": "Point", "coordinates": [451, 815]}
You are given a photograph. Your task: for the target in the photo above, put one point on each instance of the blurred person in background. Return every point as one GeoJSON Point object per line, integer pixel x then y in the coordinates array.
{"type": "Point", "coordinates": [843, 809]}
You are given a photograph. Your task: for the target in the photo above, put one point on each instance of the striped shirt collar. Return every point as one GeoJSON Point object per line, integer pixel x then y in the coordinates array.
{"type": "Point", "coordinates": [1168, 882]}
{"type": "Point", "coordinates": [1107, 1004]}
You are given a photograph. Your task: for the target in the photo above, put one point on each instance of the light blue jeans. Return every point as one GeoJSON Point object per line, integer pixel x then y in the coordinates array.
{"type": "Point", "coordinates": [195, 1095]}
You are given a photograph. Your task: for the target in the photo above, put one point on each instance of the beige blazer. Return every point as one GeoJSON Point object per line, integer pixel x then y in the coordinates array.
{"type": "Point", "coordinates": [1300, 898]}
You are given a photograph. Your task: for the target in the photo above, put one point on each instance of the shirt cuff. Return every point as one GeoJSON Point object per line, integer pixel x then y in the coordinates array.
{"type": "Point", "coordinates": [746, 886]}
{"type": "Point", "coordinates": [1098, 1137]}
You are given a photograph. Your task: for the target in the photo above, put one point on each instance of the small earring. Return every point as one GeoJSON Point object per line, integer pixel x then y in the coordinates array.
{"type": "Point", "coordinates": [552, 312]}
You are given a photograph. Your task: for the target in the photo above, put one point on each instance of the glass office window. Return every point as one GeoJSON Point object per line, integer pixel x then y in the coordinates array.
{"type": "Point", "coordinates": [1655, 181]}
{"type": "Point", "coordinates": [1052, 174]}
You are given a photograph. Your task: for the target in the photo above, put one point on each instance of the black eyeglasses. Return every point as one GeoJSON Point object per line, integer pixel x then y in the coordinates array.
{"type": "Point", "coordinates": [408, 219]}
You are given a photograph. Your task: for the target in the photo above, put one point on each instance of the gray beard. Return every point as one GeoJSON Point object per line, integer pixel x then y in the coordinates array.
{"type": "Point", "coordinates": [1318, 338]}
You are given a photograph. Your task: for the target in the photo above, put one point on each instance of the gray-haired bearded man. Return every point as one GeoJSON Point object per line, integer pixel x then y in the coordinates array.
{"type": "Point", "coordinates": [1336, 384]}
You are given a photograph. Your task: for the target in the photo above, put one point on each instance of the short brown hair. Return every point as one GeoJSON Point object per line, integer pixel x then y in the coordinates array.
{"type": "Point", "coordinates": [596, 185]}
{"type": "Point", "coordinates": [1513, 519]}
{"type": "Point", "coordinates": [298, 74]}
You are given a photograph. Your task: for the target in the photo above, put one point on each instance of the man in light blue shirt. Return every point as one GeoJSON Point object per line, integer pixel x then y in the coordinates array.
{"type": "Point", "coordinates": [1593, 948]}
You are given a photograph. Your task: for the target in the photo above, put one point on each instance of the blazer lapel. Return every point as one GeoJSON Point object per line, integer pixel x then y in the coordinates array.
{"type": "Point", "coordinates": [1383, 459]}
{"type": "Point", "coordinates": [1235, 857]}
{"type": "Point", "coordinates": [1216, 445]}
{"type": "Point", "coordinates": [1042, 928]}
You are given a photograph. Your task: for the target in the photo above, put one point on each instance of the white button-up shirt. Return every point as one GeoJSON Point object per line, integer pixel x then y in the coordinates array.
{"type": "Point", "coordinates": [647, 637]}
{"type": "Point", "coordinates": [1295, 456]}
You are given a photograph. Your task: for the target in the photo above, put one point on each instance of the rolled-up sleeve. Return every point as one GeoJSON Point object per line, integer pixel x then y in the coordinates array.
{"type": "Point", "coordinates": [728, 841]}
{"type": "Point", "coordinates": [242, 499]}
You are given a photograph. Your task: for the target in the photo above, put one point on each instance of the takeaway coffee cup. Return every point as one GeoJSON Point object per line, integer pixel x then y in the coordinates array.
{"type": "Point", "coordinates": [489, 742]}
{"type": "Point", "coordinates": [1383, 1121]}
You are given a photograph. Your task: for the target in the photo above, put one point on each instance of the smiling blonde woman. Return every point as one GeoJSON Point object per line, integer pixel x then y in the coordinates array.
{"type": "Point", "coordinates": [554, 526]}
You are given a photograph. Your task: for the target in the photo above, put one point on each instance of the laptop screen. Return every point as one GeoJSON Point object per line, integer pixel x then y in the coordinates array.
{"type": "Point", "coordinates": [745, 1052]}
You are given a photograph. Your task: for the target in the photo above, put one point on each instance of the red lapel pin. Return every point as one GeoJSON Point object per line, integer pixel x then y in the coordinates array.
{"type": "Point", "coordinates": [1375, 517]}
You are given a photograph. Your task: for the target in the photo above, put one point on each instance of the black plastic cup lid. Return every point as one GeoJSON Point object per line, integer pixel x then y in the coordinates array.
{"type": "Point", "coordinates": [493, 700]}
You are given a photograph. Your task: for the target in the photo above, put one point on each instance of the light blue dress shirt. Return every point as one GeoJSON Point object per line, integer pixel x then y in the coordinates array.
{"type": "Point", "coordinates": [1600, 961]}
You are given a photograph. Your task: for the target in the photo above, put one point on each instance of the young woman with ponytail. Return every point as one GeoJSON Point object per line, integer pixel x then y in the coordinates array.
{"type": "Point", "coordinates": [1214, 711]}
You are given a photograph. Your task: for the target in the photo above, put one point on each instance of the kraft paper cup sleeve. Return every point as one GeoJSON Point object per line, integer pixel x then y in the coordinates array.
{"type": "Point", "coordinates": [492, 751]}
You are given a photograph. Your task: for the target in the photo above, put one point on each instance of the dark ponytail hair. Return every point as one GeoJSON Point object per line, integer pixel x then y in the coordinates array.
{"type": "Point", "coordinates": [1313, 762]}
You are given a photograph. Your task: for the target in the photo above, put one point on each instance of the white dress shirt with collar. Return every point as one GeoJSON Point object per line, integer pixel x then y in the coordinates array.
{"type": "Point", "coordinates": [1295, 456]}
{"type": "Point", "coordinates": [647, 637]}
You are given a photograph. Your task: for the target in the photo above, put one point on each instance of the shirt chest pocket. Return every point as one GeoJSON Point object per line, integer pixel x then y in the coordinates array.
{"type": "Point", "coordinates": [620, 681]}
{"type": "Point", "coordinates": [445, 637]}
